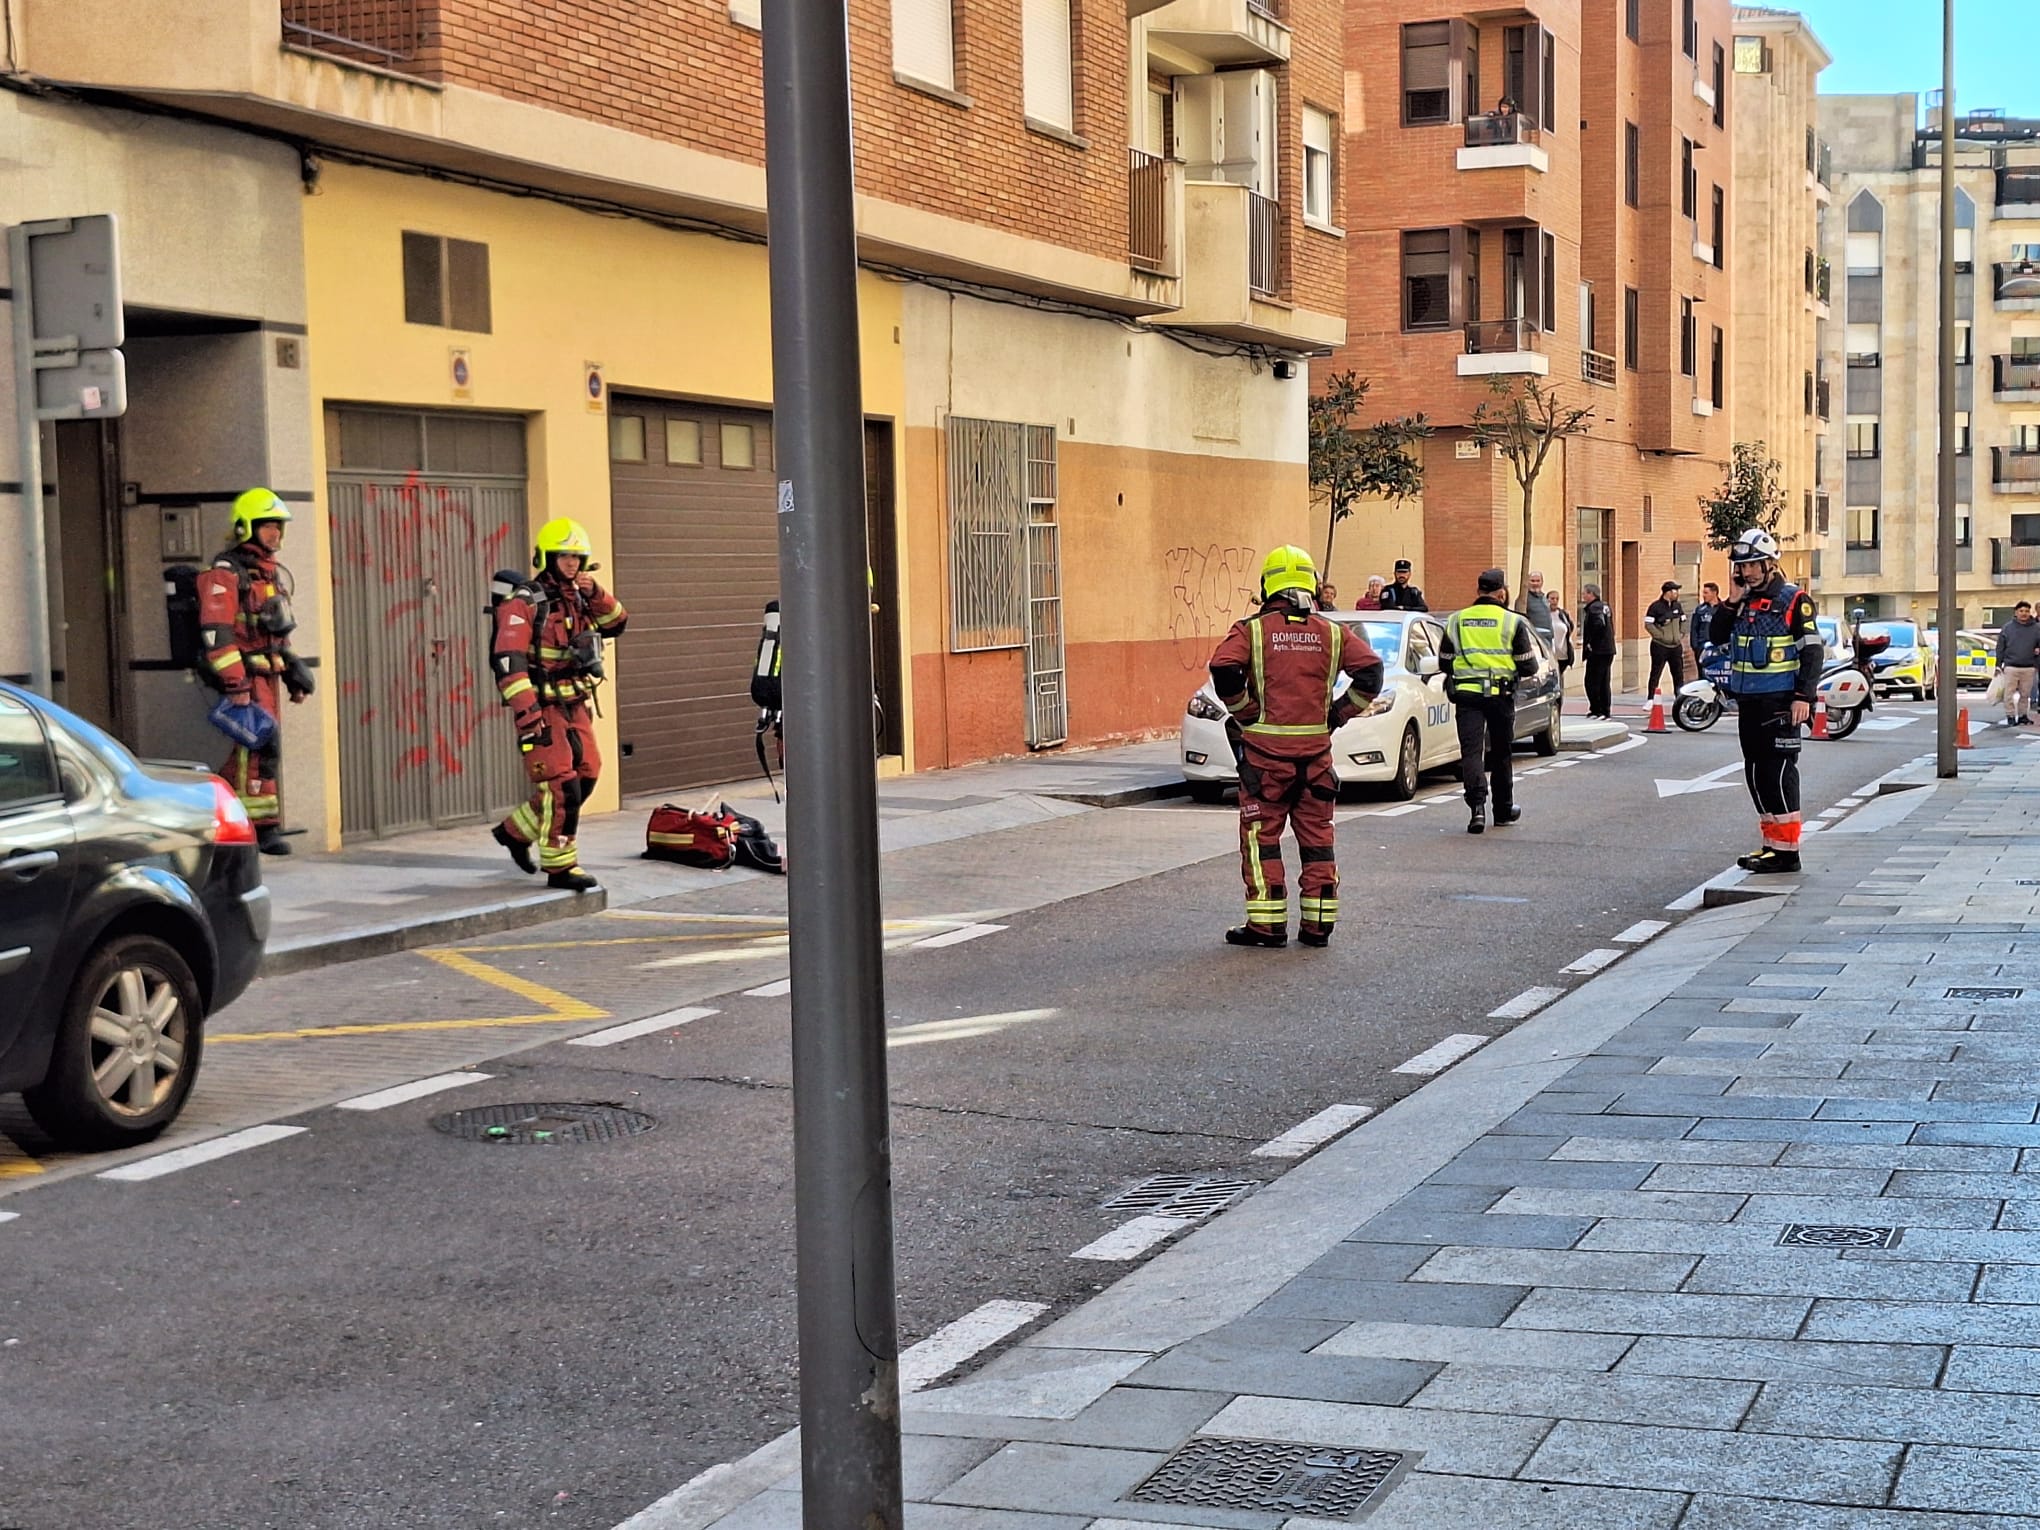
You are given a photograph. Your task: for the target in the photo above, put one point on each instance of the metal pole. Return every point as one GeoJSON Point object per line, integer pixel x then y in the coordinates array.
{"type": "Point", "coordinates": [849, 1346]}
{"type": "Point", "coordinates": [35, 590]}
{"type": "Point", "coordinates": [1945, 709]}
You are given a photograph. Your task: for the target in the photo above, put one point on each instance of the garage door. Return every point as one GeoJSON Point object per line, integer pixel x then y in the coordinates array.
{"type": "Point", "coordinates": [697, 557]}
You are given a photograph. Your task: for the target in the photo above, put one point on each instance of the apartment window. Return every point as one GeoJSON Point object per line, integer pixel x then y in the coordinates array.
{"type": "Point", "coordinates": [995, 467]}
{"type": "Point", "coordinates": [1427, 278]}
{"type": "Point", "coordinates": [1689, 183]}
{"type": "Point", "coordinates": [1720, 230]}
{"type": "Point", "coordinates": [1529, 285]}
{"type": "Point", "coordinates": [2025, 531]}
{"type": "Point", "coordinates": [1529, 73]}
{"type": "Point", "coordinates": [1229, 125]}
{"type": "Point", "coordinates": [1689, 29]}
{"type": "Point", "coordinates": [1861, 525]}
{"type": "Point", "coordinates": [1962, 527]}
{"type": "Point", "coordinates": [1860, 343]}
{"type": "Point", "coordinates": [2026, 439]}
{"type": "Point", "coordinates": [1965, 248]}
{"type": "Point", "coordinates": [1752, 56]}
{"type": "Point", "coordinates": [1965, 341]}
{"type": "Point", "coordinates": [1864, 255]}
{"type": "Point", "coordinates": [2025, 254]}
{"type": "Point", "coordinates": [446, 282]}
{"type": "Point", "coordinates": [1689, 339]}
{"type": "Point", "coordinates": [1632, 163]}
{"type": "Point", "coordinates": [1632, 19]}
{"type": "Point", "coordinates": [1718, 365]}
{"type": "Point", "coordinates": [1550, 283]}
{"type": "Point", "coordinates": [1720, 86]}
{"type": "Point", "coordinates": [1631, 301]}
{"type": "Point", "coordinates": [1319, 133]}
{"type": "Point", "coordinates": [2025, 348]}
{"type": "Point", "coordinates": [1862, 438]}
{"type": "Point", "coordinates": [924, 41]}
{"type": "Point", "coordinates": [1589, 316]}
{"type": "Point", "coordinates": [1427, 73]}
{"type": "Point", "coordinates": [1962, 437]}
{"type": "Point", "coordinates": [1047, 95]}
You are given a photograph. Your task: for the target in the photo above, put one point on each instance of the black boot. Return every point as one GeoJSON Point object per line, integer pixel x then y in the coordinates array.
{"type": "Point", "coordinates": [1770, 862]}
{"type": "Point", "coordinates": [520, 852]}
{"type": "Point", "coordinates": [1507, 814]}
{"type": "Point", "coordinates": [571, 879]}
{"type": "Point", "coordinates": [1477, 824]}
{"type": "Point", "coordinates": [1306, 936]}
{"type": "Point", "coordinates": [270, 841]}
{"type": "Point", "coordinates": [1257, 935]}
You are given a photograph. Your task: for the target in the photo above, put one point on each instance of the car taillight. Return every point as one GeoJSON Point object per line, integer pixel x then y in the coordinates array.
{"type": "Point", "coordinates": [231, 824]}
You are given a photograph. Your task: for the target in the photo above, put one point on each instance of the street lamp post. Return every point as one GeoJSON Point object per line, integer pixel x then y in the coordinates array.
{"type": "Point", "coordinates": [1944, 766]}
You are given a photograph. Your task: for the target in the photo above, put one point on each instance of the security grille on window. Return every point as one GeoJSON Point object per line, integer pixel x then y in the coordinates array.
{"type": "Point", "coordinates": [446, 282]}
{"type": "Point", "coordinates": [924, 44]}
{"type": "Point", "coordinates": [1045, 63]}
{"type": "Point", "coordinates": [1318, 129]}
{"type": "Point", "coordinates": [1427, 73]}
{"type": "Point", "coordinates": [1427, 279]}
{"type": "Point", "coordinates": [987, 535]}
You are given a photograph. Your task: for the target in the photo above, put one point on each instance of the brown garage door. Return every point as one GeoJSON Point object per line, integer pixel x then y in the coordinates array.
{"type": "Point", "coordinates": [697, 557]}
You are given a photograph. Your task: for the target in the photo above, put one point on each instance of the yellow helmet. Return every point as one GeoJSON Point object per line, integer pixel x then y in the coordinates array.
{"type": "Point", "coordinates": [256, 505]}
{"type": "Point", "coordinates": [561, 536]}
{"type": "Point", "coordinates": [1288, 568]}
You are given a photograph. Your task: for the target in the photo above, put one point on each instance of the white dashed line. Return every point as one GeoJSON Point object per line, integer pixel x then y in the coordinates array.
{"type": "Point", "coordinates": [200, 1152]}
{"type": "Point", "coordinates": [958, 936]}
{"type": "Point", "coordinates": [1447, 1052]}
{"type": "Point", "coordinates": [8, 1216]}
{"type": "Point", "coordinates": [417, 1089]}
{"type": "Point", "coordinates": [1397, 812]}
{"type": "Point", "coordinates": [776, 990]}
{"type": "Point", "coordinates": [645, 1027]}
{"type": "Point", "coordinates": [1834, 812]}
{"type": "Point", "coordinates": [1594, 960]}
{"type": "Point", "coordinates": [1132, 1239]}
{"type": "Point", "coordinates": [953, 1343]}
{"type": "Point", "coordinates": [1526, 1003]}
{"type": "Point", "coordinates": [1642, 930]}
{"type": "Point", "coordinates": [1318, 1130]}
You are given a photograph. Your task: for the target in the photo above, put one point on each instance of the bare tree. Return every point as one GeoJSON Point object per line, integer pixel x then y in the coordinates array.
{"type": "Point", "coordinates": [1522, 420]}
{"type": "Point", "coordinates": [1349, 463]}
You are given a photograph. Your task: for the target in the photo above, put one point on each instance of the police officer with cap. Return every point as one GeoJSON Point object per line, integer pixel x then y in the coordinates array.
{"type": "Point", "coordinates": [1487, 648]}
{"type": "Point", "coordinates": [1402, 595]}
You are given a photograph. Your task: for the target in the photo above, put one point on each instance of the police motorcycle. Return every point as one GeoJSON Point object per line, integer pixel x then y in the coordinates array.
{"type": "Point", "coordinates": [1845, 688]}
{"type": "Point", "coordinates": [1702, 701]}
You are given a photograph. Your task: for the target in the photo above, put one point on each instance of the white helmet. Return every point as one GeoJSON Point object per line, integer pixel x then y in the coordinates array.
{"type": "Point", "coordinates": [1754, 546]}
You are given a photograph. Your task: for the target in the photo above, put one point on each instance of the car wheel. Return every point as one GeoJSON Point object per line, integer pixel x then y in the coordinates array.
{"type": "Point", "coordinates": [1403, 785]}
{"type": "Point", "coordinates": [127, 1047]}
{"type": "Point", "coordinates": [1929, 693]}
{"type": "Point", "coordinates": [1207, 791]}
{"type": "Point", "coordinates": [1546, 743]}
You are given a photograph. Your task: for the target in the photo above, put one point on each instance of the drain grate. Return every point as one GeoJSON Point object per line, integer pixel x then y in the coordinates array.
{"type": "Point", "coordinates": [1814, 1235]}
{"type": "Point", "coordinates": [1984, 993]}
{"type": "Point", "coordinates": [1325, 1481]}
{"type": "Point", "coordinates": [550, 1125]}
{"type": "Point", "coordinates": [1188, 1196]}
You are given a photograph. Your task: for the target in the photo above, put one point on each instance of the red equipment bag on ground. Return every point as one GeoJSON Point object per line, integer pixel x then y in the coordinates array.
{"type": "Point", "coordinates": [704, 837]}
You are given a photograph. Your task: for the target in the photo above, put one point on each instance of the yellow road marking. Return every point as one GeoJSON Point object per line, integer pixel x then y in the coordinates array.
{"type": "Point", "coordinates": [560, 1008]}
{"type": "Point", "coordinates": [15, 1162]}
{"type": "Point", "coordinates": [612, 940]}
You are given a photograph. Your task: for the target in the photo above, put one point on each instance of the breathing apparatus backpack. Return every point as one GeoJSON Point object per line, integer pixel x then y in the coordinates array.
{"type": "Point", "coordinates": [767, 693]}
{"type": "Point", "coordinates": [180, 604]}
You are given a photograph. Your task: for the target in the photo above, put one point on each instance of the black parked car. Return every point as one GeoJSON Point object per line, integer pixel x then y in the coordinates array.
{"type": "Point", "coordinates": [131, 907]}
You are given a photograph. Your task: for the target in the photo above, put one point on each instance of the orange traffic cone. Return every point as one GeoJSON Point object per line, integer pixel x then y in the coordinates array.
{"type": "Point", "coordinates": [1820, 719]}
{"type": "Point", "coordinates": [1962, 729]}
{"type": "Point", "coordinates": [1657, 715]}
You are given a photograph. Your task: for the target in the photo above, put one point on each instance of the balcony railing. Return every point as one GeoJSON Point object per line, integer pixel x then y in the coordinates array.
{"type": "Point", "coordinates": [1823, 398]}
{"type": "Point", "coordinates": [2014, 374]}
{"type": "Point", "coordinates": [1496, 337]}
{"type": "Point", "coordinates": [2015, 470]}
{"type": "Point", "coordinates": [1491, 130]}
{"type": "Point", "coordinates": [2018, 186]}
{"type": "Point", "coordinates": [2017, 281]}
{"type": "Point", "coordinates": [1147, 212]}
{"type": "Point", "coordinates": [1264, 220]}
{"type": "Point", "coordinates": [1597, 367]}
{"type": "Point", "coordinates": [372, 31]}
{"type": "Point", "coordinates": [1825, 172]}
{"type": "Point", "coordinates": [2009, 557]}
{"type": "Point", "coordinates": [1823, 279]}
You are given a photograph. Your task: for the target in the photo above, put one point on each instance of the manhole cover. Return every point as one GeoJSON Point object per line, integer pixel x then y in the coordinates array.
{"type": "Point", "coordinates": [1188, 1196]}
{"type": "Point", "coordinates": [1326, 1481]}
{"type": "Point", "coordinates": [546, 1125]}
{"type": "Point", "coordinates": [1985, 993]}
{"type": "Point", "coordinates": [1812, 1235]}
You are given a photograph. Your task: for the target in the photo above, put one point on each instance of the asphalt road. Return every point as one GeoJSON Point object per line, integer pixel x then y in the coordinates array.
{"type": "Point", "coordinates": [374, 1323]}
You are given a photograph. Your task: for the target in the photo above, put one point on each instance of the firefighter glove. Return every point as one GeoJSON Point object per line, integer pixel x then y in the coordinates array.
{"type": "Point", "coordinates": [297, 678]}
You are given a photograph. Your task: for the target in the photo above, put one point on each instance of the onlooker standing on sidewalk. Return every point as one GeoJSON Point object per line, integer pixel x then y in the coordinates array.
{"type": "Point", "coordinates": [1371, 601]}
{"type": "Point", "coordinates": [1486, 649]}
{"type": "Point", "coordinates": [1666, 624]}
{"type": "Point", "coordinates": [1537, 605]}
{"type": "Point", "coordinates": [1703, 620]}
{"type": "Point", "coordinates": [1561, 640]}
{"type": "Point", "coordinates": [1597, 640]}
{"type": "Point", "coordinates": [2018, 657]}
{"type": "Point", "coordinates": [1402, 595]}
{"type": "Point", "coordinates": [1328, 596]}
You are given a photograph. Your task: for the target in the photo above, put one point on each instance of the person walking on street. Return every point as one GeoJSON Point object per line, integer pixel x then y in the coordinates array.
{"type": "Point", "coordinates": [1774, 662]}
{"type": "Point", "coordinates": [547, 655]}
{"type": "Point", "coordinates": [2018, 659]}
{"type": "Point", "coordinates": [1402, 595]}
{"type": "Point", "coordinates": [1703, 621]}
{"type": "Point", "coordinates": [1665, 623]}
{"type": "Point", "coordinates": [1597, 641]}
{"type": "Point", "coordinates": [245, 622]}
{"type": "Point", "coordinates": [1561, 641]}
{"type": "Point", "coordinates": [1486, 649]}
{"type": "Point", "coordinates": [1537, 605]}
{"type": "Point", "coordinates": [1278, 673]}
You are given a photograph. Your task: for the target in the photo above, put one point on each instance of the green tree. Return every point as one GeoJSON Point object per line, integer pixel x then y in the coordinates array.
{"type": "Point", "coordinates": [1749, 496]}
{"type": "Point", "coordinates": [1523, 420]}
{"type": "Point", "coordinates": [1349, 462]}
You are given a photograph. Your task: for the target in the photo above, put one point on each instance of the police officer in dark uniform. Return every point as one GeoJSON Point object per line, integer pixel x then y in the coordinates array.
{"type": "Point", "coordinates": [1401, 595]}
{"type": "Point", "coordinates": [1487, 648]}
{"type": "Point", "coordinates": [1774, 660]}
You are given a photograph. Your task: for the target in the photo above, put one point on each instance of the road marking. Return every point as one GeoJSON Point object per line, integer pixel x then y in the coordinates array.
{"type": "Point", "coordinates": [1635, 741]}
{"type": "Point", "coordinates": [1397, 812]}
{"type": "Point", "coordinates": [964, 1026]}
{"type": "Point", "coordinates": [1833, 812]}
{"type": "Point", "coordinates": [200, 1152]}
{"type": "Point", "coordinates": [558, 1007]}
{"type": "Point", "coordinates": [957, 937]}
{"type": "Point", "coordinates": [645, 1027]}
{"type": "Point", "coordinates": [8, 1216]}
{"type": "Point", "coordinates": [1526, 1003]}
{"type": "Point", "coordinates": [1594, 960]}
{"type": "Point", "coordinates": [1562, 764]}
{"type": "Point", "coordinates": [1886, 724]}
{"type": "Point", "coordinates": [417, 1089]}
{"type": "Point", "coordinates": [16, 1162]}
{"type": "Point", "coordinates": [1132, 1239]}
{"type": "Point", "coordinates": [1447, 1052]}
{"type": "Point", "coordinates": [1318, 1130]}
{"type": "Point", "coordinates": [953, 1343]}
{"type": "Point", "coordinates": [776, 990]}
{"type": "Point", "coordinates": [1708, 783]}
{"type": "Point", "coordinates": [1642, 930]}
{"type": "Point", "coordinates": [658, 913]}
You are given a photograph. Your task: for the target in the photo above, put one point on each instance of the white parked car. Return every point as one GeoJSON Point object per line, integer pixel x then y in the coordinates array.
{"type": "Point", "coordinates": [1410, 728]}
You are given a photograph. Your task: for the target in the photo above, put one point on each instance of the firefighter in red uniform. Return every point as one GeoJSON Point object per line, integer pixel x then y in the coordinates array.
{"type": "Point", "coordinates": [245, 623]}
{"type": "Point", "coordinates": [1278, 673]}
{"type": "Point", "coordinates": [547, 656]}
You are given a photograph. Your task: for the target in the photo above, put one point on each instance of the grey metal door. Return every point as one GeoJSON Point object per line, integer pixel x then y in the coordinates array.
{"type": "Point", "coordinates": [1048, 720]}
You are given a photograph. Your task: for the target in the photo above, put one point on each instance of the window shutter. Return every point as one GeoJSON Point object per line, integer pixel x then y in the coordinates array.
{"type": "Point", "coordinates": [467, 285]}
{"type": "Point", "coordinates": [422, 280]}
{"type": "Point", "coordinates": [1157, 141]}
{"type": "Point", "coordinates": [1863, 253]}
{"type": "Point", "coordinates": [923, 44]}
{"type": "Point", "coordinates": [1200, 126]}
{"type": "Point", "coordinates": [1045, 62]}
{"type": "Point", "coordinates": [1549, 101]}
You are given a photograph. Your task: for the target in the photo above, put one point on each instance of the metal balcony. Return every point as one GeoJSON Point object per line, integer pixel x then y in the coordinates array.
{"type": "Point", "coordinates": [1502, 140]}
{"type": "Point", "coordinates": [2016, 287]}
{"type": "Point", "coordinates": [1264, 222]}
{"type": "Point", "coordinates": [1149, 181]}
{"type": "Point", "coordinates": [1598, 368]}
{"type": "Point", "coordinates": [2015, 379]}
{"type": "Point", "coordinates": [2013, 562]}
{"type": "Point", "coordinates": [2014, 472]}
{"type": "Point", "coordinates": [373, 31]}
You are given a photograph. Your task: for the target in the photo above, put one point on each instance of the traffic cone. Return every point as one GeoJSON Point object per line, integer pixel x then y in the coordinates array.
{"type": "Point", "coordinates": [1657, 714]}
{"type": "Point", "coordinates": [1962, 729]}
{"type": "Point", "coordinates": [1820, 719]}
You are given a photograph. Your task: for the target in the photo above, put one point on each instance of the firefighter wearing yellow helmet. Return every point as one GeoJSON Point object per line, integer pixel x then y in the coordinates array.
{"type": "Point", "coordinates": [245, 626]}
{"type": "Point", "coordinates": [1279, 674]}
{"type": "Point", "coordinates": [547, 657]}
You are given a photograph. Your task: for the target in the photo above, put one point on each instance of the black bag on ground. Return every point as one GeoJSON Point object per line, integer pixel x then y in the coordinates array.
{"type": "Point", "coordinates": [757, 849]}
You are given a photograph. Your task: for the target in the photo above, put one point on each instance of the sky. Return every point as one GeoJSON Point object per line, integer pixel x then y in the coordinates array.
{"type": "Point", "coordinates": [1893, 45]}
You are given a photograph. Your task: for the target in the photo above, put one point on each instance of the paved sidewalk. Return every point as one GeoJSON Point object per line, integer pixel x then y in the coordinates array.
{"type": "Point", "coordinates": [1743, 1233]}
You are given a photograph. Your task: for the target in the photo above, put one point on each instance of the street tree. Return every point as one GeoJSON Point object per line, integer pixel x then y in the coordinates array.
{"type": "Point", "coordinates": [1351, 462]}
{"type": "Point", "coordinates": [1749, 496]}
{"type": "Point", "coordinates": [1523, 420]}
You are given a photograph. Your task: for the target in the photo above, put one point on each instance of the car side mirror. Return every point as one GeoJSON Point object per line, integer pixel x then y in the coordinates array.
{"type": "Point", "coordinates": [1427, 665]}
